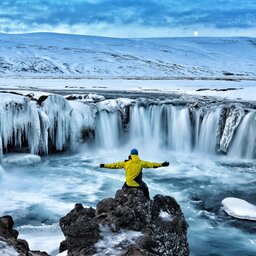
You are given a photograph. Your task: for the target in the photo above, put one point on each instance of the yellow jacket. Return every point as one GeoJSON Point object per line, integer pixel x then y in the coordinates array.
{"type": "Point", "coordinates": [133, 168]}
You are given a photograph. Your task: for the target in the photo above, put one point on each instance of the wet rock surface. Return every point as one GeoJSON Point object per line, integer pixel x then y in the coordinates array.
{"type": "Point", "coordinates": [9, 239]}
{"type": "Point", "coordinates": [160, 222]}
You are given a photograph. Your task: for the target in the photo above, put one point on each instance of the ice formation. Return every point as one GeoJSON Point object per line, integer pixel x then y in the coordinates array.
{"type": "Point", "coordinates": [23, 122]}
{"type": "Point", "coordinates": [58, 111]}
{"type": "Point", "coordinates": [233, 119]}
{"type": "Point", "coordinates": [20, 123]}
{"type": "Point", "coordinates": [239, 208]}
{"type": "Point", "coordinates": [176, 125]}
{"type": "Point", "coordinates": [21, 159]}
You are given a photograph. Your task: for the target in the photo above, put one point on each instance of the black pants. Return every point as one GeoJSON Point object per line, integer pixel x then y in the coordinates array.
{"type": "Point", "coordinates": [143, 186]}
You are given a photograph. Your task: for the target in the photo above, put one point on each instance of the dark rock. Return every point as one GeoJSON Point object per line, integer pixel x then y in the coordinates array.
{"type": "Point", "coordinates": [9, 236]}
{"type": "Point", "coordinates": [81, 230]}
{"type": "Point", "coordinates": [42, 99]}
{"type": "Point", "coordinates": [106, 205]}
{"type": "Point", "coordinates": [129, 211]}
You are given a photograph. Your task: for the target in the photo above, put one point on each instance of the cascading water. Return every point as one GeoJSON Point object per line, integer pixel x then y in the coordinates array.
{"type": "Point", "coordinates": [180, 138]}
{"type": "Point", "coordinates": [177, 128]}
{"type": "Point", "coordinates": [161, 126]}
{"type": "Point", "coordinates": [108, 129]}
{"type": "Point", "coordinates": [212, 129]}
{"type": "Point", "coordinates": [206, 131]}
{"type": "Point", "coordinates": [244, 143]}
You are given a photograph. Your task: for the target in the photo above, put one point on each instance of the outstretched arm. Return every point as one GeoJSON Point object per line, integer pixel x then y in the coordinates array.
{"type": "Point", "coordinates": [117, 165]}
{"type": "Point", "coordinates": [146, 164]}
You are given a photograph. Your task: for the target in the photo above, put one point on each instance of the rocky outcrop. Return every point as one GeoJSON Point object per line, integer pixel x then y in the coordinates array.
{"type": "Point", "coordinates": [9, 242]}
{"type": "Point", "coordinates": [134, 224]}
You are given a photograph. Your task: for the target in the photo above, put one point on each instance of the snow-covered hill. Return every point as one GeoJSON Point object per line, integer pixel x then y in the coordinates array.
{"type": "Point", "coordinates": [63, 56]}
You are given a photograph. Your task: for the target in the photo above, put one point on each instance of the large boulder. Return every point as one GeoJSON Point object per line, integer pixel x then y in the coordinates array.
{"type": "Point", "coordinates": [130, 224]}
{"type": "Point", "coordinates": [9, 242]}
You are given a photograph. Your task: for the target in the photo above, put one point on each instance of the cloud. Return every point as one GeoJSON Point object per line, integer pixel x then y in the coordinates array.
{"type": "Point", "coordinates": [130, 16]}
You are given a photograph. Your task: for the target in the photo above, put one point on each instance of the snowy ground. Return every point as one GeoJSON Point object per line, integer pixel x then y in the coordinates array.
{"type": "Point", "coordinates": [237, 89]}
{"type": "Point", "coordinates": [65, 56]}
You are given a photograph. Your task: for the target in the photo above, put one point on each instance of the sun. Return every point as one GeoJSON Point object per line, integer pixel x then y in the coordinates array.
{"type": "Point", "coordinates": [195, 33]}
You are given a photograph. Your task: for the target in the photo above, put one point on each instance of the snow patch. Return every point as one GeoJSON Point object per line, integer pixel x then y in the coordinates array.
{"type": "Point", "coordinates": [21, 159]}
{"type": "Point", "coordinates": [114, 104]}
{"type": "Point", "coordinates": [165, 216]}
{"type": "Point", "coordinates": [239, 208]}
{"type": "Point", "coordinates": [113, 243]}
{"type": "Point", "coordinates": [65, 253]}
{"type": "Point", "coordinates": [94, 97]}
{"type": "Point", "coordinates": [6, 250]}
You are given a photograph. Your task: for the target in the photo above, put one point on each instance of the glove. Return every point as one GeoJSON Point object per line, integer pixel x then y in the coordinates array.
{"type": "Point", "coordinates": [102, 165]}
{"type": "Point", "coordinates": [165, 163]}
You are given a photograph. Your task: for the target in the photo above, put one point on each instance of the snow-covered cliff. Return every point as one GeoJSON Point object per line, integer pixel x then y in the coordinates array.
{"type": "Point", "coordinates": [56, 55]}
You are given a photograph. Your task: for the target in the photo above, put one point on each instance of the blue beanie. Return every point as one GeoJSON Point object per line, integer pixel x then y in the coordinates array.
{"type": "Point", "coordinates": [134, 151]}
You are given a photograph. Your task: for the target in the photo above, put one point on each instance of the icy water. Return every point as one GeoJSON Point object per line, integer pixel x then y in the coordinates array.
{"type": "Point", "coordinates": [38, 195]}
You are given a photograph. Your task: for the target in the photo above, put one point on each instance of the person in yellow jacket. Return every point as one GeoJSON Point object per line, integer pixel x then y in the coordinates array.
{"type": "Point", "coordinates": [133, 170]}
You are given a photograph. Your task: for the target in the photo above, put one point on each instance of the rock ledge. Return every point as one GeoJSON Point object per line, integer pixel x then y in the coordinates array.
{"type": "Point", "coordinates": [159, 225]}
{"type": "Point", "coordinates": [9, 242]}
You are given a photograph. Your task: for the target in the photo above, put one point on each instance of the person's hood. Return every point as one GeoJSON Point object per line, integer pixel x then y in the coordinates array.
{"type": "Point", "coordinates": [135, 157]}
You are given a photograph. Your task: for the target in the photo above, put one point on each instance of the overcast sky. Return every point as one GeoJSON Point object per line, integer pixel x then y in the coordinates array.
{"type": "Point", "coordinates": [130, 18]}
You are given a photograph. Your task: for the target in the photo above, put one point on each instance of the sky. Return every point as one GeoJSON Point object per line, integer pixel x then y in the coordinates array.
{"type": "Point", "coordinates": [130, 18]}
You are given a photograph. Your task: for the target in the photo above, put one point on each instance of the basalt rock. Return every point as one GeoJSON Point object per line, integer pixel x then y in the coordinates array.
{"type": "Point", "coordinates": [159, 225]}
{"type": "Point", "coordinates": [9, 239]}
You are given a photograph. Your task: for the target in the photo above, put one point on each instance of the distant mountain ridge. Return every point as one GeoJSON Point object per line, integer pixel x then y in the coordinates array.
{"type": "Point", "coordinates": [53, 55]}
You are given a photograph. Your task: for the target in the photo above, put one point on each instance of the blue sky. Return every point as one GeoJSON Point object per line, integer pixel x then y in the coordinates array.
{"type": "Point", "coordinates": [130, 18]}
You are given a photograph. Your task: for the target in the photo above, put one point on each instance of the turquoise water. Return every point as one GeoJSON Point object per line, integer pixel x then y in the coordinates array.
{"type": "Point", "coordinates": [38, 195]}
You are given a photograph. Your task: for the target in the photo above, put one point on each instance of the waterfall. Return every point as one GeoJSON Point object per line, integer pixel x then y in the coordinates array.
{"type": "Point", "coordinates": [180, 129]}
{"type": "Point", "coordinates": [108, 129]}
{"type": "Point", "coordinates": [207, 131]}
{"type": "Point", "coordinates": [145, 125]}
{"type": "Point", "coordinates": [244, 143]}
{"type": "Point", "coordinates": [216, 128]}
{"type": "Point", "coordinates": [180, 132]}
{"type": "Point", "coordinates": [161, 126]}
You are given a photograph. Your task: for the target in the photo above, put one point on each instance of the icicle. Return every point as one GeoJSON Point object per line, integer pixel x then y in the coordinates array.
{"type": "Point", "coordinates": [44, 126]}
{"type": "Point", "coordinates": [58, 111]}
{"type": "Point", "coordinates": [20, 123]}
{"type": "Point", "coordinates": [83, 118]}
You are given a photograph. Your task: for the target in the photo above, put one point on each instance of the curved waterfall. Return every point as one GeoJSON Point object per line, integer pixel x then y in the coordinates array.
{"type": "Point", "coordinates": [180, 128]}
{"type": "Point", "coordinates": [196, 126]}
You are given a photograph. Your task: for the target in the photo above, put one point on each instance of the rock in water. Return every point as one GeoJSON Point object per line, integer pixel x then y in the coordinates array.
{"type": "Point", "coordinates": [9, 242]}
{"type": "Point", "coordinates": [157, 226]}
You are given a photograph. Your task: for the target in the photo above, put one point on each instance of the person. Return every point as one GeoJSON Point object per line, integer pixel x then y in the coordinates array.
{"type": "Point", "coordinates": [133, 170]}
